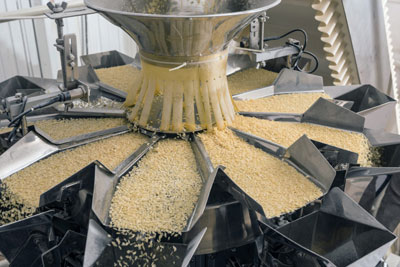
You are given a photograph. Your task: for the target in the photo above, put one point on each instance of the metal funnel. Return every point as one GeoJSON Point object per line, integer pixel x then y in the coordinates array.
{"type": "Point", "coordinates": [181, 27]}
{"type": "Point", "coordinates": [183, 50]}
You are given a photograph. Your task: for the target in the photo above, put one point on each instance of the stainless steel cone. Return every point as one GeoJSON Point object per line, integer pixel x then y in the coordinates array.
{"type": "Point", "coordinates": [181, 27]}
{"type": "Point", "coordinates": [183, 47]}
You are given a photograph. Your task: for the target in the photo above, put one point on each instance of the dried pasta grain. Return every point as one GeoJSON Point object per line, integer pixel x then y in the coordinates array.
{"type": "Point", "coordinates": [120, 77]}
{"type": "Point", "coordinates": [5, 130]}
{"type": "Point", "coordinates": [160, 193]}
{"type": "Point", "coordinates": [274, 184]}
{"type": "Point", "coordinates": [28, 184]}
{"type": "Point", "coordinates": [287, 103]}
{"type": "Point", "coordinates": [286, 133]}
{"type": "Point", "coordinates": [66, 128]}
{"type": "Point", "coordinates": [250, 79]}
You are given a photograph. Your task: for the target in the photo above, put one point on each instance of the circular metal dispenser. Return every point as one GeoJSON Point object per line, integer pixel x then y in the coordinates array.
{"type": "Point", "coordinates": [183, 49]}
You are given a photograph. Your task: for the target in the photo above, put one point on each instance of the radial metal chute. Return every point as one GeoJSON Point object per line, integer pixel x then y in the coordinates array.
{"type": "Point", "coordinates": [365, 100]}
{"type": "Point", "coordinates": [37, 145]}
{"type": "Point", "coordinates": [362, 241]}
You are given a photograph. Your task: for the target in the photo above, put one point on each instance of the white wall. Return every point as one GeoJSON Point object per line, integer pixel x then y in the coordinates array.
{"type": "Point", "coordinates": [394, 18]}
{"type": "Point", "coordinates": [26, 46]}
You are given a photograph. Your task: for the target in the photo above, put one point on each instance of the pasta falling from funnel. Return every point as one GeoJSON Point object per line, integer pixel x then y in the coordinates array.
{"type": "Point", "coordinates": [183, 48]}
{"type": "Point", "coordinates": [181, 97]}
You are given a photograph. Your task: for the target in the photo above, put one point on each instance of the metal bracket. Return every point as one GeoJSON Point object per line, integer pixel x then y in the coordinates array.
{"type": "Point", "coordinates": [70, 60]}
{"type": "Point", "coordinates": [257, 27]}
{"type": "Point", "coordinates": [70, 12]}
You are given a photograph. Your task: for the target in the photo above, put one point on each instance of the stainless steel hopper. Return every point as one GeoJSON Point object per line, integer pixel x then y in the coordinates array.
{"type": "Point", "coordinates": [183, 49]}
{"type": "Point", "coordinates": [181, 27]}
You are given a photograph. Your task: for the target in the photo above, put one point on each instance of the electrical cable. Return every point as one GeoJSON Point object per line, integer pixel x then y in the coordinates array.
{"type": "Point", "coordinates": [16, 122]}
{"type": "Point", "coordinates": [302, 49]}
{"type": "Point", "coordinates": [12, 134]}
{"type": "Point", "coordinates": [38, 106]}
{"type": "Point", "coordinates": [274, 38]}
{"type": "Point", "coordinates": [299, 56]}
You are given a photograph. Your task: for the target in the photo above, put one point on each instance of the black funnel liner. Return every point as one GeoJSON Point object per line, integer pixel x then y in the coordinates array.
{"type": "Point", "coordinates": [340, 233]}
{"type": "Point", "coordinates": [365, 97]}
{"type": "Point", "coordinates": [107, 59]}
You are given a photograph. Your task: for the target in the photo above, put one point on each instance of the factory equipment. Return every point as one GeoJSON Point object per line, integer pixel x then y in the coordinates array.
{"type": "Point", "coordinates": [72, 224]}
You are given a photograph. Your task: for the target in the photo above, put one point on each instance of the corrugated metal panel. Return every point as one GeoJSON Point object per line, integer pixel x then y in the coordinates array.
{"type": "Point", "coordinates": [27, 46]}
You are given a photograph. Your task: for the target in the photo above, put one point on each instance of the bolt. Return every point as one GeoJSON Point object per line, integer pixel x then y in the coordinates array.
{"type": "Point", "coordinates": [57, 8]}
{"type": "Point", "coordinates": [72, 64]}
{"type": "Point", "coordinates": [71, 57]}
{"type": "Point", "coordinates": [50, 6]}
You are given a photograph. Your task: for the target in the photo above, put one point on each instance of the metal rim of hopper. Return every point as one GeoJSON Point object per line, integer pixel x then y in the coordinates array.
{"type": "Point", "coordinates": [267, 5]}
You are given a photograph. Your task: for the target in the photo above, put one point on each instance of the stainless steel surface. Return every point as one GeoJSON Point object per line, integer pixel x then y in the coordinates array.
{"type": "Point", "coordinates": [24, 153]}
{"type": "Point", "coordinates": [381, 138]}
{"type": "Point", "coordinates": [237, 62]}
{"type": "Point", "coordinates": [256, 39]}
{"type": "Point", "coordinates": [13, 104]}
{"type": "Point", "coordinates": [340, 233]}
{"type": "Point", "coordinates": [70, 60]}
{"type": "Point", "coordinates": [227, 204]}
{"type": "Point", "coordinates": [181, 28]}
{"type": "Point", "coordinates": [268, 146]}
{"type": "Point", "coordinates": [272, 53]}
{"type": "Point", "coordinates": [108, 59]}
{"type": "Point", "coordinates": [322, 112]}
{"type": "Point", "coordinates": [307, 157]}
{"type": "Point", "coordinates": [97, 240]}
{"type": "Point", "coordinates": [203, 160]}
{"type": "Point", "coordinates": [302, 155]}
{"type": "Point", "coordinates": [71, 12]}
{"type": "Point", "coordinates": [376, 107]}
{"type": "Point", "coordinates": [326, 113]}
{"type": "Point", "coordinates": [287, 82]}
{"type": "Point", "coordinates": [290, 81]}
{"type": "Point", "coordinates": [18, 84]}
{"type": "Point", "coordinates": [36, 145]}
{"type": "Point", "coordinates": [192, 247]}
{"type": "Point", "coordinates": [367, 183]}
{"type": "Point", "coordinates": [106, 182]}
{"type": "Point", "coordinates": [272, 116]}
{"type": "Point", "coordinates": [380, 117]}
